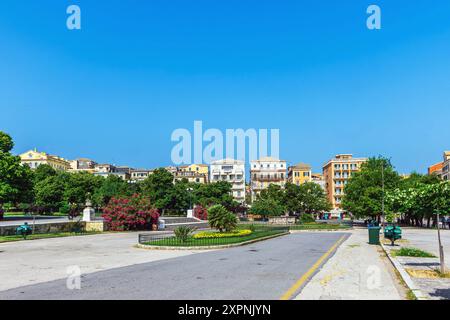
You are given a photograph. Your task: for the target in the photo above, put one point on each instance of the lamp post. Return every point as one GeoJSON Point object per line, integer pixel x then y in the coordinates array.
{"type": "Point", "coordinates": [190, 201]}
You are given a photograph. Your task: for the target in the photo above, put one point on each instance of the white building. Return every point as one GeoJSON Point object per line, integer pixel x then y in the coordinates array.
{"type": "Point", "coordinates": [232, 171]}
{"type": "Point", "coordinates": [267, 171]}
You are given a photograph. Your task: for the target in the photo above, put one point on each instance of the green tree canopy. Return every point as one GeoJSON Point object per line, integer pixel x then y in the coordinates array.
{"type": "Point", "coordinates": [266, 207]}
{"type": "Point", "coordinates": [16, 181]}
{"type": "Point", "coordinates": [159, 186]}
{"type": "Point", "coordinates": [364, 193]}
{"type": "Point", "coordinates": [6, 142]}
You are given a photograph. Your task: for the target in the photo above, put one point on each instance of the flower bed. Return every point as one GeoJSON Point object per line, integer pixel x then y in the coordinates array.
{"type": "Point", "coordinates": [212, 235]}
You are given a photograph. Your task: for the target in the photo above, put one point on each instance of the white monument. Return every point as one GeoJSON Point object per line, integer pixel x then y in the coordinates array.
{"type": "Point", "coordinates": [88, 212]}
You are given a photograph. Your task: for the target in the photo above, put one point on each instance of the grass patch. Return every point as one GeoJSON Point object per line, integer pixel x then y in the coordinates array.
{"type": "Point", "coordinates": [4, 239]}
{"type": "Point", "coordinates": [410, 295]}
{"type": "Point", "coordinates": [193, 242]}
{"type": "Point", "coordinates": [411, 252]}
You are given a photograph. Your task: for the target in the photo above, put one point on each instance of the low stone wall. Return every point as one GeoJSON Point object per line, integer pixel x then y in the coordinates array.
{"type": "Point", "coordinates": [282, 220]}
{"type": "Point", "coordinates": [56, 227]}
{"type": "Point", "coordinates": [39, 228]}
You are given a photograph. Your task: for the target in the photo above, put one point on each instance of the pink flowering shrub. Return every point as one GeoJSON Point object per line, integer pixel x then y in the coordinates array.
{"type": "Point", "coordinates": [201, 213]}
{"type": "Point", "coordinates": [130, 213]}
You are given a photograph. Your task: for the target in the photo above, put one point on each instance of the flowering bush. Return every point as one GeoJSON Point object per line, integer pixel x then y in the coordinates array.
{"type": "Point", "coordinates": [237, 233]}
{"type": "Point", "coordinates": [201, 213]}
{"type": "Point", "coordinates": [130, 213]}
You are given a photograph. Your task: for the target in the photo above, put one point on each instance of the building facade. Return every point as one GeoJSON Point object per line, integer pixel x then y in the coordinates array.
{"type": "Point", "coordinates": [299, 174]}
{"type": "Point", "coordinates": [198, 173]}
{"type": "Point", "coordinates": [34, 159]}
{"type": "Point", "coordinates": [82, 165]}
{"type": "Point", "coordinates": [336, 173]}
{"type": "Point", "coordinates": [232, 171]}
{"type": "Point", "coordinates": [138, 175]}
{"type": "Point", "coordinates": [266, 171]}
{"type": "Point", "coordinates": [436, 169]}
{"type": "Point", "coordinates": [446, 167]}
{"type": "Point", "coordinates": [319, 179]}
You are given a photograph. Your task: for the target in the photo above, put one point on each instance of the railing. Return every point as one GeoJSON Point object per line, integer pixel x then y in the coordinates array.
{"type": "Point", "coordinates": [169, 240]}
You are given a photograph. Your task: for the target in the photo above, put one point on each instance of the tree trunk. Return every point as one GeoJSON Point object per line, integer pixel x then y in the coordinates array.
{"type": "Point", "coordinates": [441, 249]}
{"type": "Point", "coordinates": [428, 222]}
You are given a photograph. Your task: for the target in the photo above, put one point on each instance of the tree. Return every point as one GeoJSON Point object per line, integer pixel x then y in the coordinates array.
{"type": "Point", "coordinates": [15, 179]}
{"type": "Point", "coordinates": [158, 186]}
{"type": "Point", "coordinates": [364, 192]}
{"type": "Point", "coordinates": [221, 219]}
{"type": "Point", "coordinates": [312, 199]}
{"type": "Point", "coordinates": [214, 193]}
{"type": "Point", "coordinates": [43, 171]}
{"type": "Point", "coordinates": [267, 207]}
{"type": "Point", "coordinates": [111, 186]}
{"type": "Point", "coordinates": [78, 185]}
{"type": "Point", "coordinates": [6, 142]}
{"type": "Point", "coordinates": [49, 193]}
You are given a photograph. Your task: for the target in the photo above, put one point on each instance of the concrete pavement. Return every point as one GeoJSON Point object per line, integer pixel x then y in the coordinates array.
{"type": "Point", "coordinates": [264, 270]}
{"type": "Point", "coordinates": [357, 271]}
{"type": "Point", "coordinates": [421, 270]}
{"type": "Point", "coordinates": [29, 262]}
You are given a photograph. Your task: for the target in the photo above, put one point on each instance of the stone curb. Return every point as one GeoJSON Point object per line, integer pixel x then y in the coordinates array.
{"type": "Point", "coordinates": [147, 247]}
{"type": "Point", "coordinates": [405, 276]}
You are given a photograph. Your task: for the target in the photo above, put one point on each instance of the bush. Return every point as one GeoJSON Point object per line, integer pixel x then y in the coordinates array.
{"type": "Point", "coordinates": [209, 235]}
{"type": "Point", "coordinates": [65, 208]}
{"type": "Point", "coordinates": [130, 213]}
{"type": "Point", "coordinates": [201, 213]}
{"type": "Point", "coordinates": [221, 219]}
{"type": "Point", "coordinates": [183, 233]}
{"type": "Point", "coordinates": [307, 218]}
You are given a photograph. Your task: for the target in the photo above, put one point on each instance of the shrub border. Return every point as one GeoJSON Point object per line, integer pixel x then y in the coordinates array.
{"type": "Point", "coordinates": [222, 246]}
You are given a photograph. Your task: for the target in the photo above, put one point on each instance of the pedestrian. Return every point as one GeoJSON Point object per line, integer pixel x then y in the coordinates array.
{"type": "Point", "coordinates": [448, 222]}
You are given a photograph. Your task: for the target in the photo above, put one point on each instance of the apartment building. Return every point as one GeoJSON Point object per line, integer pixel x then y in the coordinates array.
{"type": "Point", "coordinates": [446, 166]}
{"type": "Point", "coordinates": [299, 174]}
{"type": "Point", "coordinates": [232, 171]}
{"type": "Point", "coordinates": [436, 169]}
{"type": "Point", "coordinates": [82, 165]}
{"type": "Point", "coordinates": [198, 173]}
{"type": "Point", "coordinates": [191, 176]}
{"type": "Point", "coordinates": [336, 173]}
{"type": "Point", "coordinates": [319, 179]}
{"type": "Point", "coordinates": [266, 171]}
{"type": "Point", "coordinates": [34, 159]}
{"type": "Point", "coordinates": [138, 175]}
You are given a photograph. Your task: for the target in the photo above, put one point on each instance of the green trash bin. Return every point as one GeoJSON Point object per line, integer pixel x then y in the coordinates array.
{"type": "Point", "coordinates": [374, 235]}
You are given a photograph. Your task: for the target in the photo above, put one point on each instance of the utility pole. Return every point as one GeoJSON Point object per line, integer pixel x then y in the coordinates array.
{"type": "Point", "coordinates": [382, 198]}
{"type": "Point", "coordinates": [441, 248]}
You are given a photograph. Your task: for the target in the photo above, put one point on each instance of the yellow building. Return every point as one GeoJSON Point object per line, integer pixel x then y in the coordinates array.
{"type": "Point", "coordinates": [197, 173]}
{"type": "Point", "coordinates": [336, 173]}
{"type": "Point", "coordinates": [34, 159]}
{"type": "Point", "coordinates": [299, 174]}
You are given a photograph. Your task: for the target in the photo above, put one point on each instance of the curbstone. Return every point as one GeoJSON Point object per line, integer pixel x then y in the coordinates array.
{"type": "Point", "coordinates": [405, 276]}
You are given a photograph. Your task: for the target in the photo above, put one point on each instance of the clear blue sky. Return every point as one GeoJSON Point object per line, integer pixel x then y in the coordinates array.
{"type": "Point", "coordinates": [137, 70]}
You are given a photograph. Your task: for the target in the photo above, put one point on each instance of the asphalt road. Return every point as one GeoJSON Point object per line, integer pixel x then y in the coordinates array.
{"type": "Point", "coordinates": [264, 270]}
